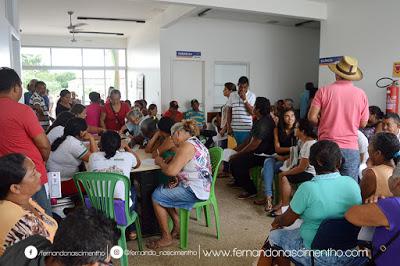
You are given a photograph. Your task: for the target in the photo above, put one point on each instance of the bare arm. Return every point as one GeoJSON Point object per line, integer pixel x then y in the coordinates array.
{"type": "Point", "coordinates": [313, 115]}
{"type": "Point", "coordinates": [102, 120]}
{"type": "Point", "coordinates": [183, 155]}
{"type": "Point", "coordinates": [153, 144]}
{"type": "Point", "coordinates": [286, 219]}
{"type": "Point", "coordinates": [368, 184]}
{"type": "Point", "coordinates": [250, 146]}
{"type": "Point", "coordinates": [366, 215]}
{"type": "Point", "coordinates": [42, 143]}
{"type": "Point", "coordinates": [249, 108]}
{"type": "Point", "coordinates": [363, 124]}
{"type": "Point", "coordinates": [301, 167]}
{"type": "Point", "coordinates": [229, 120]}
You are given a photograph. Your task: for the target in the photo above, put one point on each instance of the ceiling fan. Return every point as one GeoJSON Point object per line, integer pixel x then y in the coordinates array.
{"type": "Point", "coordinates": [73, 29]}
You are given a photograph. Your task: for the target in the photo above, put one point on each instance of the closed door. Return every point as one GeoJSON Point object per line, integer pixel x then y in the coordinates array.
{"type": "Point", "coordinates": [187, 82]}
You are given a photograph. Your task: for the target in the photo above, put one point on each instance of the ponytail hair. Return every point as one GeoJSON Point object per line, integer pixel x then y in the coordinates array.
{"type": "Point", "coordinates": [74, 127]}
{"type": "Point", "coordinates": [110, 142]}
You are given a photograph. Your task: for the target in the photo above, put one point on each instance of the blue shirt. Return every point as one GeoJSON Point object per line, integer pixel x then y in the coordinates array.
{"type": "Point", "coordinates": [324, 196]}
{"type": "Point", "coordinates": [196, 116]}
{"type": "Point", "coordinates": [27, 97]}
{"type": "Point", "coordinates": [304, 98]}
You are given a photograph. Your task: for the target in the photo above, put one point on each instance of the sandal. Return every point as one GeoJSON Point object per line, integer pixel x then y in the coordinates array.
{"type": "Point", "coordinates": [262, 201]}
{"type": "Point", "coordinates": [268, 204]}
{"type": "Point", "coordinates": [158, 244]}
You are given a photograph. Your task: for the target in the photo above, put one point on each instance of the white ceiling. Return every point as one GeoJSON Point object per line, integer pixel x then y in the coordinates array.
{"type": "Point", "coordinates": [258, 18]}
{"type": "Point", "coordinates": [49, 17]}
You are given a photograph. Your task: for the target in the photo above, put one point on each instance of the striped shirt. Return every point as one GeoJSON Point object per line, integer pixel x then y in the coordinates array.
{"type": "Point", "coordinates": [44, 119]}
{"type": "Point", "coordinates": [196, 116]}
{"type": "Point", "coordinates": [241, 119]}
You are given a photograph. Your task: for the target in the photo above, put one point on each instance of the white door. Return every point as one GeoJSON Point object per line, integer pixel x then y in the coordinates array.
{"type": "Point", "coordinates": [187, 83]}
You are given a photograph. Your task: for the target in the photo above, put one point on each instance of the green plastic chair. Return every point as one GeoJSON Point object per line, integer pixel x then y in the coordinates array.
{"type": "Point", "coordinates": [99, 183]}
{"type": "Point", "coordinates": [184, 215]}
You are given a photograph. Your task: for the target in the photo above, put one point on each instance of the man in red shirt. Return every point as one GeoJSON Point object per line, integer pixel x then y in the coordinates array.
{"type": "Point", "coordinates": [339, 110]}
{"type": "Point", "coordinates": [21, 132]}
{"type": "Point", "coordinates": [173, 112]}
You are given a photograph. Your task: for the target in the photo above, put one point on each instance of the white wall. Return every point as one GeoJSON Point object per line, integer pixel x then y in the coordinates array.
{"type": "Point", "coordinates": [9, 35]}
{"type": "Point", "coordinates": [281, 58]}
{"type": "Point", "coordinates": [367, 30]}
{"type": "Point", "coordinates": [143, 50]}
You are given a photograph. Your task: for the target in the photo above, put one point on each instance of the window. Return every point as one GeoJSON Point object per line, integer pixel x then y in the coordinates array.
{"type": "Point", "coordinates": [81, 70]}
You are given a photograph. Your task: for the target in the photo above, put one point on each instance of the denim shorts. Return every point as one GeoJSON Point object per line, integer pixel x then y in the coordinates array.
{"type": "Point", "coordinates": [291, 240]}
{"type": "Point", "coordinates": [177, 197]}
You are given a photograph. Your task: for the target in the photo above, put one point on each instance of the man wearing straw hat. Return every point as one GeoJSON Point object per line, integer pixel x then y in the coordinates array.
{"type": "Point", "coordinates": [339, 109]}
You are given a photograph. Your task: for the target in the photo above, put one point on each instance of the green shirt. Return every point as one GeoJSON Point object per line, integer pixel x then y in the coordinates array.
{"type": "Point", "coordinates": [325, 196]}
{"type": "Point", "coordinates": [196, 116]}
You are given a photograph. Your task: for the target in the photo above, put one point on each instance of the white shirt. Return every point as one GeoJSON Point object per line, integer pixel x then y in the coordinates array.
{"type": "Point", "coordinates": [121, 163]}
{"type": "Point", "coordinates": [305, 153]}
{"type": "Point", "coordinates": [55, 133]}
{"type": "Point", "coordinates": [363, 146]}
{"type": "Point", "coordinates": [241, 119]}
{"type": "Point", "coordinates": [67, 158]}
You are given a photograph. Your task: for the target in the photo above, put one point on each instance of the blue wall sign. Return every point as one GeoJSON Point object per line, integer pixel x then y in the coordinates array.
{"type": "Point", "coordinates": [188, 54]}
{"type": "Point", "coordinates": [329, 60]}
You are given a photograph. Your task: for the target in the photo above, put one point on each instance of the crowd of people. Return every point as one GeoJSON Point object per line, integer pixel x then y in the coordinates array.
{"type": "Point", "coordinates": [317, 154]}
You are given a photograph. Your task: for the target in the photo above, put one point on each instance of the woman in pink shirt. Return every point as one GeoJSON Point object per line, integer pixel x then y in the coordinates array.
{"type": "Point", "coordinates": [93, 110]}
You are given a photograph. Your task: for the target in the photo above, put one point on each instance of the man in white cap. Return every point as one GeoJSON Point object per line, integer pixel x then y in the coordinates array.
{"type": "Point", "coordinates": [339, 109]}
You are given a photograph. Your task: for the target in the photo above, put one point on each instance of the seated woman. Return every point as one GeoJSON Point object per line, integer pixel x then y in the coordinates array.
{"type": "Point", "coordinates": [162, 142]}
{"type": "Point", "coordinates": [304, 171]}
{"type": "Point", "coordinates": [68, 152]}
{"type": "Point", "coordinates": [79, 110]}
{"type": "Point", "coordinates": [374, 122]}
{"type": "Point", "coordinates": [153, 112]}
{"type": "Point", "coordinates": [382, 149]}
{"type": "Point", "coordinates": [21, 217]}
{"type": "Point", "coordinates": [382, 213]}
{"type": "Point", "coordinates": [284, 138]}
{"type": "Point", "coordinates": [148, 128]}
{"type": "Point", "coordinates": [314, 201]}
{"type": "Point", "coordinates": [56, 130]}
{"type": "Point", "coordinates": [110, 159]}
{"type": "Point", "coordinates": [260, 141]}
{"type": "Point", "coordinates": [134, 117]}
{"type": "Point", "coordinates": [191, 169]}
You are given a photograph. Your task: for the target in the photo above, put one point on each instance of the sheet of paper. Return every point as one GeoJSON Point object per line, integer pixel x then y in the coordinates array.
{"type": "Point", "coordinates": [148, 162]}
{"type": "Point", "coordinates": [266, 155]}
{"type": "Point", "coordinates": [227, 154]}
{"type": "Point", "coordinates": [54, 184]}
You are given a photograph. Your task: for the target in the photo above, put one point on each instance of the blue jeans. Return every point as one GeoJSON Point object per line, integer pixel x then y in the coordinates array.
{"type": "Point", "coordinates": [241, 136]}
{"type": "Point", "coordinates": [41, 198]}
{"type": "Point", "coordinates": [351, 163]}
{"type": "Point", "coordinates": [271, 166]}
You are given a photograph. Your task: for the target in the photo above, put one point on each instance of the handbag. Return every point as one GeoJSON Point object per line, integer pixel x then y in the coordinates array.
{"type": "Point", "coordinates": [383, 249]}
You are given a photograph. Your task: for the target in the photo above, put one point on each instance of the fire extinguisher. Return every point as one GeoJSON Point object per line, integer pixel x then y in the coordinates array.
{"type": "Point", "coordinates": [392, 94]}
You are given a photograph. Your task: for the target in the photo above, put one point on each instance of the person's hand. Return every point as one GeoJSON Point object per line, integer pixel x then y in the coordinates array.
{"type": "Point", "coordinates": [86, 136]}
{"type": "Point", "coordinates": [158, 160]}
{"type": "Point", "coordinates": [281, 174]}
{"type": "Point", "coordinates": [275, 224]}
{"type": "Point", "coordinates": [222, 131]}
{"type": "Point", "coordinates": [168, 159]}
{"type": "Point", "coordinates": [374, 199]}
{"type": "Point", "coordinates": [173, 182]}
{"type": "Point", "coordinates": [125, 145]}
{"type": "Point", "coordinates": [242, 94]}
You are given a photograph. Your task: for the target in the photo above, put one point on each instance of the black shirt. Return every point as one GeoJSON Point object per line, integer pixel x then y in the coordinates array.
{"type": "Point", "coordinates": [60, 108]}
{"type": "Point", "coordinates": [263, 129]}
{"type": "Point", "coordinates": [286, 141]}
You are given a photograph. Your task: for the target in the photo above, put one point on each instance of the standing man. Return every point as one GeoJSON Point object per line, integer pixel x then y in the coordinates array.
{"type": "Point", "coordinates": [21, 132]}
{"type": "Point", "coordinates": [339, 109]}
{"type": "Point", "coordinates": [31, 90]}
{"type": "Point", "coordinates": [240, 112]}
{"type": "Point", "coordinates": [38, 104]}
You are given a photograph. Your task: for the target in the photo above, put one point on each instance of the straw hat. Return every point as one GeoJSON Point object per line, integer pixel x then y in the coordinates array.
{"type": "Point", "coordinates": [347, 68]}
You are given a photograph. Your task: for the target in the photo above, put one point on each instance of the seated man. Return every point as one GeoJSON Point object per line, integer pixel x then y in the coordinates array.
{"type": "Point", "coordinates": [173, 112]}
{"type": "Point", "coordinates": [261, 141]}
{"type": "Point", "coordinates": [82, 230]}
{"type": "Point", "coordinates": [196, 114]}
{"type": "Point", "coordinates": [314, 201]}
{"type": "Point", "coordinates": [391, 124]}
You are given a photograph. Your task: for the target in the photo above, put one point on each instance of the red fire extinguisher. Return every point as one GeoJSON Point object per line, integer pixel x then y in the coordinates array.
{"type": "Point", "coordinates": [392, 94]}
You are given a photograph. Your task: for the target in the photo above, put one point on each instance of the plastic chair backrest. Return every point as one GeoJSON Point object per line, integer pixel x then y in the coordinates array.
{"type": "Point", "coordinates": [100, 187]}
{"type": "Point", "coordinates": [216, 159]}
{"type": "Point", "coordinates": [336, 234]}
